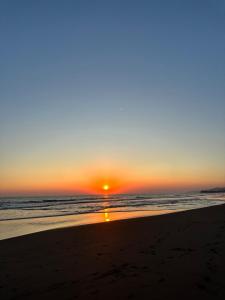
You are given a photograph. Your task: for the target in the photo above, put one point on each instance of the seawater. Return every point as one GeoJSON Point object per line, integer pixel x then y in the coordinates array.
{"type": "Point", "coordinates": [22, 215]}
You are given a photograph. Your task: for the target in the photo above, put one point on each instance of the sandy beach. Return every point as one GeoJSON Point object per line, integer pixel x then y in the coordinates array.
{"type": "Point", "coordinates": [174, 256]}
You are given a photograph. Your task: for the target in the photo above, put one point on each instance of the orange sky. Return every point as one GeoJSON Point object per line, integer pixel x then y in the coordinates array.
{"type": "Point", "coordinates": [118, 177]}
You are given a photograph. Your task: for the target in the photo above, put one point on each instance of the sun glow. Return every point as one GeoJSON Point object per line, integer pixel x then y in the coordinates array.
{"type": "Point", "coordinates": [108, 179]}
{"type": "Point", "coordinates": [105, 187]}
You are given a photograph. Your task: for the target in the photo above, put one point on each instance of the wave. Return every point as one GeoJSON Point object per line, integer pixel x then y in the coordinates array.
{"type": "Point", "coordinates": [41, 207]}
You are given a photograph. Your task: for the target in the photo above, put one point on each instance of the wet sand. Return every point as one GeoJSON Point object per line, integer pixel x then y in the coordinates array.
{"type": "Point", "coordinates": [174, 256]}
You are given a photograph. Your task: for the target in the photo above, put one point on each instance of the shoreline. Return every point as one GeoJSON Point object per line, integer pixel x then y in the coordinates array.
{"type": "Point", "coordinates": [29, 215]}
{"type": "Point", "coordinates": [173, 255]}
{"type": "Point", "coordinates": [68, 221]}
{"type": "Point", "coordinates": [10, 228]}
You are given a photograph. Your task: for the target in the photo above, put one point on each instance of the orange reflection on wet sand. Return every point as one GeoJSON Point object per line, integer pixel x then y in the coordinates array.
{"type": "Point", "coordinates": [106, 215]}
{"type": "Point", "coordinates": [14, 228]}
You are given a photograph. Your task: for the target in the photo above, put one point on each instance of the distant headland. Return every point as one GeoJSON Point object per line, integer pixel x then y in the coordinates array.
{"type": "Point", "coordinates": [214, 190]}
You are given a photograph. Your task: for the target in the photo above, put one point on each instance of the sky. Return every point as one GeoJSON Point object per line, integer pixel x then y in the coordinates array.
{"type": "Point", "coordinates": [125, 93]}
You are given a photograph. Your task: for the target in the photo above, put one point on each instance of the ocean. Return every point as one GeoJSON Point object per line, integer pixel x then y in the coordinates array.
{"type": "Point", "coordinates": [23, 215]}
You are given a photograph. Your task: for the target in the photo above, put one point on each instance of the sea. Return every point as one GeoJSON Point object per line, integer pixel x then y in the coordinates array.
{"type": "Point", "coordinates": [25, 215]}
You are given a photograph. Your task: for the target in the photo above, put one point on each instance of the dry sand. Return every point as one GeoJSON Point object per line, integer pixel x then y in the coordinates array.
{"type": "Point", "coordinates": [176, 256]}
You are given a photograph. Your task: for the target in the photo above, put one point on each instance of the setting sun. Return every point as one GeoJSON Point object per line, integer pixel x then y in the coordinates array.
{"type": "Point", "coordinates": [105, 187]}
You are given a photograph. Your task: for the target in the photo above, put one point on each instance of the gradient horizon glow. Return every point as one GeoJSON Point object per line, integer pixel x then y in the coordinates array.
{"type": "Point", "coordinates": [128, 94]}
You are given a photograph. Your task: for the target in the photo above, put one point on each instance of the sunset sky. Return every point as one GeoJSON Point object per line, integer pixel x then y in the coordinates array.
{"type": "Point", "coordinates": [125, 93]}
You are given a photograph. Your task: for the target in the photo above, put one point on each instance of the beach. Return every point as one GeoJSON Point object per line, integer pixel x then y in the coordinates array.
{"type": "Point", "coordinates": [173, 256]}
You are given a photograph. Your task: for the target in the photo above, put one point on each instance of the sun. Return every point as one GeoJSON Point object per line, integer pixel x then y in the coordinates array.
{"type": "Point", "coordinates": [105, 187]}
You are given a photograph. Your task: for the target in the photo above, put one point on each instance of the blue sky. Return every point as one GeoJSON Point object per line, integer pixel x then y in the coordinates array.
{"type": "Point", "coordinates": [133, 82]}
